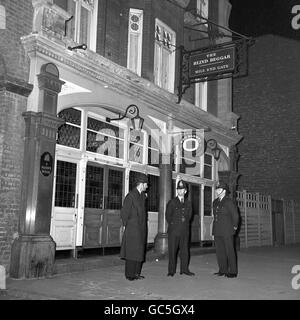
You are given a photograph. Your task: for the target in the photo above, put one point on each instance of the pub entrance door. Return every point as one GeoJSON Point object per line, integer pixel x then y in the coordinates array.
{"type": "Point", "coordinates": [104, 192]}
{"type": "Point", "coordinates": [65, 204]}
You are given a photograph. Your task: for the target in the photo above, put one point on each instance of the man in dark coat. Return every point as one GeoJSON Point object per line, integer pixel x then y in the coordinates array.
{"type": "Point", "coordinates": [178, 215]}
{"type": "Point", "coordinates": [225, 224]}
{"type": "Point", "coordinates": [134, 239]}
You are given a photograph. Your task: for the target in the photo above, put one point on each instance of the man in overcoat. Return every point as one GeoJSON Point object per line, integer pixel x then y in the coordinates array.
{"type": "Point", "coordinates": [178, 216]}
{"type": "Point", "coordinates": [133, 215]}
{"type": "Point", "coordinates": [225, 224]}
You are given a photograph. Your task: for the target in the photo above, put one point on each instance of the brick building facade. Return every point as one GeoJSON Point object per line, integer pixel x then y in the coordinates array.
{"type": "Point", "coordinates": [267, 102]}
{"type": "Point", "coordinates": [55, 130]}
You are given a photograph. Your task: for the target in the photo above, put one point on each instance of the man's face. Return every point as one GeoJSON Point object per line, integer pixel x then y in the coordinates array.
{"type": "Point", "coordinates": [145, 186]}
{"type": "Point", "coordinates": [181, 192]}
{"type": "Point", "coordinates": [219, 192]}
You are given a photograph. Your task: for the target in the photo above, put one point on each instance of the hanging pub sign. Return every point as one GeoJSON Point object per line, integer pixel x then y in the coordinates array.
{"type": "Point", "coordinates": [216, 62]}
{"type": "Point", "coordinates": [46, 164]}
{"type": "Point", "coordinates": [212, 62]}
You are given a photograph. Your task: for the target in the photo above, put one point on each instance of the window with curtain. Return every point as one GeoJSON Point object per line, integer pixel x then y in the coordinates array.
{"type": "Point", "coordinates": [164, 56]}
{"type": "Point", "coordinates": [81, 28]}
{"type": "Point", "coordinates": [135, 39]}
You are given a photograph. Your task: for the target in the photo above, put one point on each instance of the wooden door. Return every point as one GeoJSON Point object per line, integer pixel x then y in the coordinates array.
{"type": "Point", "coordinates": [103, 201]}
{"type": "Point", "coordinates": [65, 209]}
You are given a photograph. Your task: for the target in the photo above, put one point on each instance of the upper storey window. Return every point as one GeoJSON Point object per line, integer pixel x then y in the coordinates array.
{"type": "Point", "coordinates": [164, 56]}
{"type": "Point", "coordinates": [82, 27]}
{"type": "Point", "coordinates": [135, 39]}
{"type": "Point", "coordinates": [202, 8]}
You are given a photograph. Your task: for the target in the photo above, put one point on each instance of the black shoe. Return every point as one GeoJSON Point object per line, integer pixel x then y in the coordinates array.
{"type": "Point", "coordinates": [220, 273]}
{"type": "Point", "coordinates": [188, 273]}
{"type": "Point", "coordinates": [140, 277]}
{"type": "Point", "coordinates": [231, 275]}
{"type": "Point", "coordinates": [131, 278]}
{"type": "Point", "coordinates": [170, 274]}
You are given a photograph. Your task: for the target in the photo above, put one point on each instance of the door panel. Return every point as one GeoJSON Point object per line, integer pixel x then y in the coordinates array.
{"type": "Point", "coordinates": [64, 214]}
{"type": "Point", "coordinates": [103, 201]}
{"type": "Point", "coordinates": [93, 206]}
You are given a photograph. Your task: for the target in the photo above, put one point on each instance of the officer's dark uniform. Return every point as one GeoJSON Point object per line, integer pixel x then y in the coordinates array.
{"type": "Point", "coordinates": [225, 223]}
{"type": "Point", "coordinates": [178, 216]}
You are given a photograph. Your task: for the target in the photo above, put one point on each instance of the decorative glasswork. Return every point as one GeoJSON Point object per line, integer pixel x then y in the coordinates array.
{"type": "Point", "coordinates": [69, 133]}
{"type": "Point", "coordinates": [136, 146]}
{"type": "Point", "coordinates": [104, 138]}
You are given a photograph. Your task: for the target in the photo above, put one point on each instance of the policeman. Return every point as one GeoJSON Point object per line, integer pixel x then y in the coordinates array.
{"type": "Point", "coordinates": [225, 224]}
{"type": "Point", "coordinates": [178, 215]}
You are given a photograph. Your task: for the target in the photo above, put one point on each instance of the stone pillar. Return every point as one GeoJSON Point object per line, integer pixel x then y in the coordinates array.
{"type": "Point", "coordinates": [165, 194]}
{"type": "Point", "coordinates": [165, 188]}
{"type": "Point", "coordinates": [33, 251]}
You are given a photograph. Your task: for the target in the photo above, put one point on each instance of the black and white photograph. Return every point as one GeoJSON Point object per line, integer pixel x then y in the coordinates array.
{"type": "Point", "coordinates": [149, 153]}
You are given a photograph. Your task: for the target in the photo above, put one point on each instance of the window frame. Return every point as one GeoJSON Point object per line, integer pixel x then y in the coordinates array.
{"type": "Point", "coordinates": [159, 60]}
{"type": "Point", "coordinates": [137, 68]}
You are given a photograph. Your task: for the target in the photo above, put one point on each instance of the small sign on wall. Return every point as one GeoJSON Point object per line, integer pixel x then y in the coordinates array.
{"type": "Point", "coordinates": [46, 164]}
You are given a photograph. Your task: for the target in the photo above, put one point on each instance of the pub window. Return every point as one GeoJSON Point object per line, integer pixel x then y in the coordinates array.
{"type": "Point", "coordinates": [94, 195]}
{"type": "Point", "coordinates": [153, 152]}
{"type": "Point", "coordinates": [164, 56]}
{"type": "Point", "coordinates": [65, 186]}
{"type": "Point", "coordinates": [136, 146]}
{"type": "Point", "coordinates": [115, 189]}
{"type": "Point", "coordinates": [82, 27]}
{"type": "Point", "coordinates": [2, 18]}
{"type": "Point", "coordinates": [105, 138]}
{"type": "Point", "coordinates": [135, 39]}
{"type": "Point", "coordinates": [202, 9]}
{"type": "Point", "coordinates": [201, 95]}
{"type": "Point", "coordinates": [207, 200]}
{"type": "Point", "coordinates": [208, 166]}
{"type": "Point", "coordinates": [190, 161]}
{"type": "Point", "coordinates": [69, 133]}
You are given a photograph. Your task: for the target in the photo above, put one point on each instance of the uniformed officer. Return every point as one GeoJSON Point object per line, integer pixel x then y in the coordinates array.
{"type": "Point", "coordinates": [225, 224]}
{"type": "Point", "coordinates": [134, 239]}
{"type": "Point", "coordinates": [178, 215]}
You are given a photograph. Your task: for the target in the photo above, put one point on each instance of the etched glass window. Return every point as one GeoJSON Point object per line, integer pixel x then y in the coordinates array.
{"type": "Point", "coordinates": [153, 152]}
{"type": "Point", "coordinates": [69, 133]}
{"type": "Point", "coordinates": [208, 166]}
{"type": "Point", "coordinates": [105, 138]}
{"type": "Point", "coordinates": [94, 187]}
{"type": "Point", "coordinates": [136, 146]}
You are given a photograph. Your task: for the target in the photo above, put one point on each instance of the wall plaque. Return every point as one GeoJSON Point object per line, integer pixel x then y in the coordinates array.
{"type": "Point", "coordinates": [46, 164]}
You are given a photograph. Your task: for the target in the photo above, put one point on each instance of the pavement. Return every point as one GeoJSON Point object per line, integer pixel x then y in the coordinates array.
{"type": "Point", "coordinates": [265, 273]}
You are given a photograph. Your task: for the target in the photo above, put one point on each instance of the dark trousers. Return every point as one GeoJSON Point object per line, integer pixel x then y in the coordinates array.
{"type": "Point", "coordinates": [226, 256]}
{"type": "Point", "coordinates": [132, 268]}
{"type": "Point", "coordinates": [178, 242]}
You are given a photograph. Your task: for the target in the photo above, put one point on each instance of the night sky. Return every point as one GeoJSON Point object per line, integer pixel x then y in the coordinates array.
{"type": "Point", "coordinates": [258, 17]}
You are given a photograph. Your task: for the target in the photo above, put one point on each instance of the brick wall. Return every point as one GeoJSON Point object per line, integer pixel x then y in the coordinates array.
{"type": "Point", "coordinates": [12, 128]}
{"type": "Point", "coordinates": [268, 101]}
{"type": "Point", "coordinates": [19, 15]}
{"type": "Point", "coordinates": [15, 66]}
